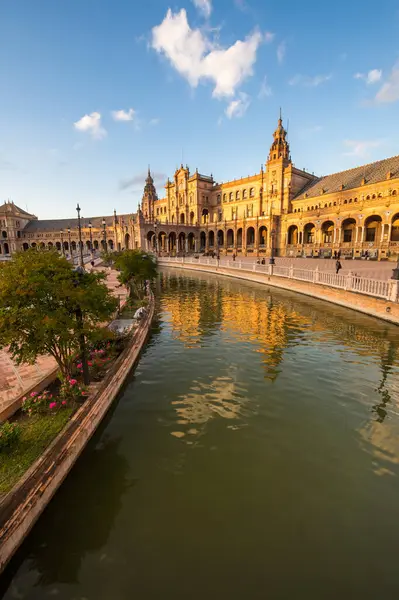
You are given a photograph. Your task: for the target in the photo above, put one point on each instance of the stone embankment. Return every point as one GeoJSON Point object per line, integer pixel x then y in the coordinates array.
{"type": "Point", "coordinates": [20, 509]}
{"type": "Point", "coordinates": [376, 307]}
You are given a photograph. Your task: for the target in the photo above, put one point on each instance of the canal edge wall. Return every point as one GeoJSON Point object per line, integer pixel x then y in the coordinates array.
{"type": "Point", "coordinates": [23, 505]}
{"type": "Point", "coordinates": [374, 307]}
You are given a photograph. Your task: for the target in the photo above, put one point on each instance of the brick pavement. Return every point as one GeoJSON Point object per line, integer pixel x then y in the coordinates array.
{"type": "Point", "coordinates": [15, 380]}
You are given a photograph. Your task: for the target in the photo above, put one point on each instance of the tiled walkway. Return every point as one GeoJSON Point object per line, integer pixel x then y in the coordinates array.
{"type": "Point", "coordinates": [15, 380]}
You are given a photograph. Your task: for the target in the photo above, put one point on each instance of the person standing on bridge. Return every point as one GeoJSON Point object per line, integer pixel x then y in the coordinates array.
{"type": "Point", "coordinates": [338, 267]}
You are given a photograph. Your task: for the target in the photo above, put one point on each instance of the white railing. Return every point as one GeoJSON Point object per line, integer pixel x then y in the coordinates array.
{"type": "Point", "coordinates": [388, 290]}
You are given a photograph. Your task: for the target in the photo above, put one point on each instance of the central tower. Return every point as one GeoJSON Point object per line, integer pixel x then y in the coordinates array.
{"type": "Point", "coordinates": [277, 188]}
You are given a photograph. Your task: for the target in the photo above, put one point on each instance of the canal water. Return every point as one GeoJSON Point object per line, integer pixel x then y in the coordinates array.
{"type": "Point", "coordinates": [253, 454]}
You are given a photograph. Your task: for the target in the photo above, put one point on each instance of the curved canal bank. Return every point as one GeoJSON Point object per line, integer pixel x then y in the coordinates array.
{"type": "Point", "coordinates": [385, 309]}
{"type": "Point", "coordinates": [23, 505]}
{"type": "Point", "coordinates": [254, 453]}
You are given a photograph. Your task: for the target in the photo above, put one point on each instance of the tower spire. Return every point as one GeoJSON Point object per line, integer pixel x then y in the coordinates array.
{"type": "Point", "coordinates": [280, 147]}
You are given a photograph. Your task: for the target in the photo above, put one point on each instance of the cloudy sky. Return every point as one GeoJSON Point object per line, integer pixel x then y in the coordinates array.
{"type": "Point", "coordinates": [93, 91]}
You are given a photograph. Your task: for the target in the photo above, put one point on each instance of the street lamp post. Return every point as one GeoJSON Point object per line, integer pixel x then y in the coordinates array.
{"type": "Point", "coordinates": [80, 237]}
{"type": "Point", "coordinates": [91, 238]}
{"type": "Point", "coordinates": [80, 272]}
{"type": "Point", "coordinates": [69, 240]}
{"type": "Point", "coordinates": [62, 242]}
{"type": "Point", "coordinates": [104, 236]}
{"type": "Point", "coordinates": [272, 234]}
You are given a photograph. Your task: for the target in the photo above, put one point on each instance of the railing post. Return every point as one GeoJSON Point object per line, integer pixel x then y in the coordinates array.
{"type": "Point", "coordinates": [394, 291]}
{"type": "Point", "coordinates": [290, 272]}
{"type": "Point", "coordinates": [316, 275]}
{"type": "Point", "coordinates": [254, 267]}
{"type": "Point", "coordinates": [348, 281]}
{"type": "Point", "coordinates": [239, 264]}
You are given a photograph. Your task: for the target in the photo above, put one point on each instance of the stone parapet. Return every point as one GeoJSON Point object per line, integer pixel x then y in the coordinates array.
{"type": "Point", "coordinates": [387, 310]}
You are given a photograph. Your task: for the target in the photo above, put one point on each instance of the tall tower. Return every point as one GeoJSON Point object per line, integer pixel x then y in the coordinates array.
{"type": "Point", "coordinates": [149, 197]}
{"type": "Point", "coordinates": [277, 166]}
{"type": "Point", "coordinates": [280, 149]}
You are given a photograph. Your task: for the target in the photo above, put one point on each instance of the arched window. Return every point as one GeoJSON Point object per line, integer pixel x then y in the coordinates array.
{"type": "Point", "coordinates": [218, 199]}
{"type": "Point", "coordinates": [355, 200]}
{"type": "Point", "coordinates": [237, 195]}
{"type": "Point", "coordinates": [394, 193]}
{"type": "Point", "coordinates": [224, 198]}
{"type": "Point", "coordinates": [367, 197]}
{"type": "Point", "coordinates": [345, 201]}
{"type": "Point", "coordinates": [231, 196]}
{"type": "Point", "coordinates": [252, 192]}
{"type": "Point", "coordinates": [244, 194]}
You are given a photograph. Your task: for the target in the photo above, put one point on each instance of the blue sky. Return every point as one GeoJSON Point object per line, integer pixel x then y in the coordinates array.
{"type": "Point", "coordinates": [91, 92]}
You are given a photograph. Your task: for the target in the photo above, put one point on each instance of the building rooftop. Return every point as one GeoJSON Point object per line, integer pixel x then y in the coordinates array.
{"type": "Point", "coordinates": [58, 224]}
{"type": "Point", "coordinates": [352, 178]}
{"type": "Point", "coordinates": [9, 208]}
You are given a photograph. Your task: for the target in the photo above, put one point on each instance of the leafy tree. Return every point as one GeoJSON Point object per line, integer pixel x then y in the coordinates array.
{"type": "Point", "coordinates": [136, 267]}
{"type": "Point", "coordinates": [46, 307]}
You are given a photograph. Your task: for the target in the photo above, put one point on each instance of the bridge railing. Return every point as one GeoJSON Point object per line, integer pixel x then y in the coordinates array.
{"type": "Point", "coordinates": [378, 288]}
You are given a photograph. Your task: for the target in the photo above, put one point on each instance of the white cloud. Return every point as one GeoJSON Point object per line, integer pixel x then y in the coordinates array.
{"type": "Point", "coordinates": [307, 81]}
{"type": "Point", "coordinates": [196, 58]}
{"type": "Point", "coordinates": [389, 92]}
{"type": "Point", "coordinates": [269, 37]}
{"type": "Point", "coordinates": [204, 6]}
{"type": "Point", "coordinates": [361, 148]}
{"type": "Point", "coordinates": [92, 125]}
{"type": "Point", "coordinates": [371, 77]}
{"type": "Point", "coordinates": [238, 107]}
{"type": "Point", "coordinates": [281, 50]}
{"type": "Point", "coordinates": [123, 115]}
{"type": "Point", "coordinates": [154, 122]}
{"type": "Point", "coordinates": [265, 89]}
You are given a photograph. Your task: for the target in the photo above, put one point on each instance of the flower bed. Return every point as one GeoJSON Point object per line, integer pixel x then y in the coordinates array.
{"type": "Point", "coordinates": [43, 415]}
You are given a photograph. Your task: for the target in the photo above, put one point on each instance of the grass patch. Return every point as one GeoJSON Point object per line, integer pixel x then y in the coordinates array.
{"type": "Point", "coordinates": [37, 433]}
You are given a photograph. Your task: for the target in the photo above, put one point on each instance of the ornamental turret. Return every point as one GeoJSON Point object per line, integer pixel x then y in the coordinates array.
{"type": "Point", "coordinates": [280, 149]}
{"type": "Point", "coordinates": [149, 197]}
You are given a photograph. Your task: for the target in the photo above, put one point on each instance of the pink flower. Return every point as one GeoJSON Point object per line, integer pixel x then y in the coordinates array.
{"type": "Point", "coordinates": [79, 366]}
{"type": "Point", "coordinates": [89, 363]}
{"type": "Point", "coordinates": [63, 402]}
{"type": "Point", "coordinates": [73, 381]}
{"type": "Point", "coordinates": [52, 405]}
{"type": "Point", "coordinates": [33, 394]}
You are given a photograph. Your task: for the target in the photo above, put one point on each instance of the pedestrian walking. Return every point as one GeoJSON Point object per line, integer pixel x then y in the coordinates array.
{"type": "Point", "coordinates": [338, 267]}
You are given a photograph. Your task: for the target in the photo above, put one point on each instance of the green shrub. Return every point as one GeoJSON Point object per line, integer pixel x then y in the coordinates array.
{"type": "Point", "coordinates": [9, 435]}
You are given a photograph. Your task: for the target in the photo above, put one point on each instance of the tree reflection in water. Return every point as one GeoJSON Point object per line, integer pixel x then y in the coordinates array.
{"type": "Point", "coordinates": [55, 554]}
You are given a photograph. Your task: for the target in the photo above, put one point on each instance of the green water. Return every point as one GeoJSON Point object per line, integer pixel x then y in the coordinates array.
{"type": "Point", "coordinates": [253, 454]}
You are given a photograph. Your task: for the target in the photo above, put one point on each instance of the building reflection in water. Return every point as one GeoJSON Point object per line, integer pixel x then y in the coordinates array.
{"type": "Point", "coordinates": [273, 322]}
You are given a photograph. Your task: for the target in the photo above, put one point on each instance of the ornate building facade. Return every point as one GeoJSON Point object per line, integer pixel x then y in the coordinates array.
{"type": "Point", "coordinates": [282, 210]}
